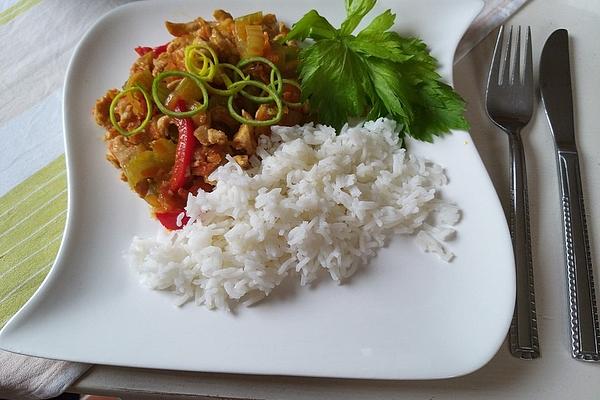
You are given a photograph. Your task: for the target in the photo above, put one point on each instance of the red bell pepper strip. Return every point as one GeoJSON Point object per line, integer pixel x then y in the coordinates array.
{"type": "Point", "coordinates": [158, 50]}
{"type": "Point", "coordinates": [185, 148]}
{"type": "Point", "coordinates": [169, 219]}
{"type": "Point", "coordinates": [142, 50]}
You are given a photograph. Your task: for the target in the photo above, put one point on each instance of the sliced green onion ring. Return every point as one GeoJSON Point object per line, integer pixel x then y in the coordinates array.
{"type": "Point", "coordinates": [234, 69]}
{"type": "Point", "coordinates": [228, 82]}
{"type": "Point", "coordinates": [252, 122]}
{"type": "Point", "coordinates": [276, 79]}
{"type": "Point", "coordinates": [195, 110]}
{"type": "Point", "coordinates": [276, 84]}
{"type": "Point", "coordinates": [209, 64]}
{"type": "Point", "coordinates": [297, 85]}
{"type": "Point", "coordinates": [145, 122]}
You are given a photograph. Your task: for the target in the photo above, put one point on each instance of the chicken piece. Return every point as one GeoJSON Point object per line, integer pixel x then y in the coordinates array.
{"type": "Point", "coordinates": [204, 31]}
{"type": "Point", "coordinates": [199, 26]}
{"type": "Point", "coordinates": [161, 64]}
{"type": "Point", "coordinates": [242, 160]}
{"type": "Point", "coordinates": [221, 15]}
{"type": "Point", "coordinates": [269, 25]}
{"type": "Point", "coordinates": [174, 57]}
{"type": "Point", "coordinates": [244, 140]}
{"type": "Point", "coordinates": [201, 118]}
{"type": "Point", "coordinates": [143, 63]}
{"type": "Point", "coordinates": [202, 122]}
{"type": "Point", "coordinates": [210, 136]}
{"type": "Point", "coordinates": [201, 133]}
{"type": "Point", "coordinates": [290, 117]}
{"type": "Point", "coordinates": [115, 162]}
{"type": "Point", "coordinates": [264, 113]}
{"type": "Point", "coordinates": [225, 46]}
{"type": "Point", "coordinates": [120, 150]}
{"type": "Point", "coordinates": [179, 43]}
{"type": "Point", "coordinates": [102, 108]}
{"type": "Point", "coordinates": [161, 126]}
{"type": "Point", "coordinates": [216, 136]}
{"type": "Point", "coordinates": [222, 119]}
{"type": "Point", "coordinates": [130, 112]}
{"type": "Point", "coordinates": [206, 159]}
{"type": "Point", "coordinates": [154, 129]}
{"type": "Point", "coordinates": [283, 29]}
{"type": "Point", "coordinates": [226, 27]}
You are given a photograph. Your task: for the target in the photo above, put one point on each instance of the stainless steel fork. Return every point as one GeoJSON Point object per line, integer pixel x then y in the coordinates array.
{"type": "Point", "coordinates": [509, 104]}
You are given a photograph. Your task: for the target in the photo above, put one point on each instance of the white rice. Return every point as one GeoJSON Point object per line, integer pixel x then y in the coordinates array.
{"type": "Point", "coordinates": [316, 201]}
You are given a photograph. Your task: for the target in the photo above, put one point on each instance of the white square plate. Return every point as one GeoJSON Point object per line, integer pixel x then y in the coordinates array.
{"type": "Point", "coordinates": [405, 316]}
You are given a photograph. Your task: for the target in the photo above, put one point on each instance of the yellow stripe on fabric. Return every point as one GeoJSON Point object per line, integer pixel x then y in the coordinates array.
{"type": "Point", "coordinates": [32, 220]}
{"type": "Point", "coordinates": [16, 9]}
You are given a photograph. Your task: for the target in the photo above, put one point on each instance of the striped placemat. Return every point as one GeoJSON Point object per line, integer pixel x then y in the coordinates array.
{"type": "Point", "coordinates": [17, 8]}
{"type": "Point", "coordinates": [32, 219]}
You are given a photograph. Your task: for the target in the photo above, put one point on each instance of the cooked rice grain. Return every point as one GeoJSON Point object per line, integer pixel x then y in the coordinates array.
{"type": "Point", "coordinates": [317, 201]}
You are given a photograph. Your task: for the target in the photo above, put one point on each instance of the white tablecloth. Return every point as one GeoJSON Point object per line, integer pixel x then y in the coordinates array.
{"type": "Point", "coordinates": [38, 38]}
{"type": "Point", "coordinates": [37, 43]}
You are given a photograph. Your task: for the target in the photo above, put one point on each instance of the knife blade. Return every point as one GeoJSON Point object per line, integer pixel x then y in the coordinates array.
{"type": "Point", "coordinates": [555, 87]}
{"type": "Point", "coordinates": [556, 91]}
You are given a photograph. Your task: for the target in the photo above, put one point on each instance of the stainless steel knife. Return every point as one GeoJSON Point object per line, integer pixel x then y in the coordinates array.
{"type": "Point", "coordinates": [555, 87]}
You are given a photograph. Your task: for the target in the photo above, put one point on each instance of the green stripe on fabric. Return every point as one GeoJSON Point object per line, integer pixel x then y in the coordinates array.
{"type": "Point", "coordinates": [11, 257]}
{"type": "Point", "coordinates": [22, 269]}
{"type": "Point", "coordinates": [30, 200]}
{"type": "Point", "coordinates": [44, 212]}
{"type": "Point", "coordinates": [14, 302]}
{"type": "Point", "coordinates": [22, 191]}
{"type": "Point", "coordinates": [32, 220]}
{"type": "Point", "coordinates": [16, 9]}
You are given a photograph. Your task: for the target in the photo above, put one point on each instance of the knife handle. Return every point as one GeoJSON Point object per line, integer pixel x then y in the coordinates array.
{"type": "Point", "coordinates": [524, 342]}
{"type": "Point", "coordinates": [583, 314]}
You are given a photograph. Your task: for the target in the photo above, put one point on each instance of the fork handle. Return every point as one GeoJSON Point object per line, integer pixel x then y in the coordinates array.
{"type": "Point", "coordinates": [583, 315]}
{"type": "Point", "coordinates": [524, 342]}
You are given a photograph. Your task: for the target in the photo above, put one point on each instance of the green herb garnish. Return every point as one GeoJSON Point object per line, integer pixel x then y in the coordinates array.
{"type": "Point", "coordinates": [376, 73]}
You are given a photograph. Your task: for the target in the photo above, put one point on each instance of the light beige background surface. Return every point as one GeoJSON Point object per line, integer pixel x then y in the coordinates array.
{"type": "Point", "coordinates": [555, 375]}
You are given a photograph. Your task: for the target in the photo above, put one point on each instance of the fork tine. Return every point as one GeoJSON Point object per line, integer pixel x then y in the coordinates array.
{"type": "Point", "coordinates": [496, 59]}
{"type": "Point", "coordinates": [506, 61]}
{"type": "Point", "coordinates": [528, 69]}
{"type": "Point", "coordinates": [516, 64]}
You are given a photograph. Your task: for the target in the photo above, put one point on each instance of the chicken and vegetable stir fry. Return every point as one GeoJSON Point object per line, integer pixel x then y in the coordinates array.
{"type": "Point", "coordinates": [208, 93]}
